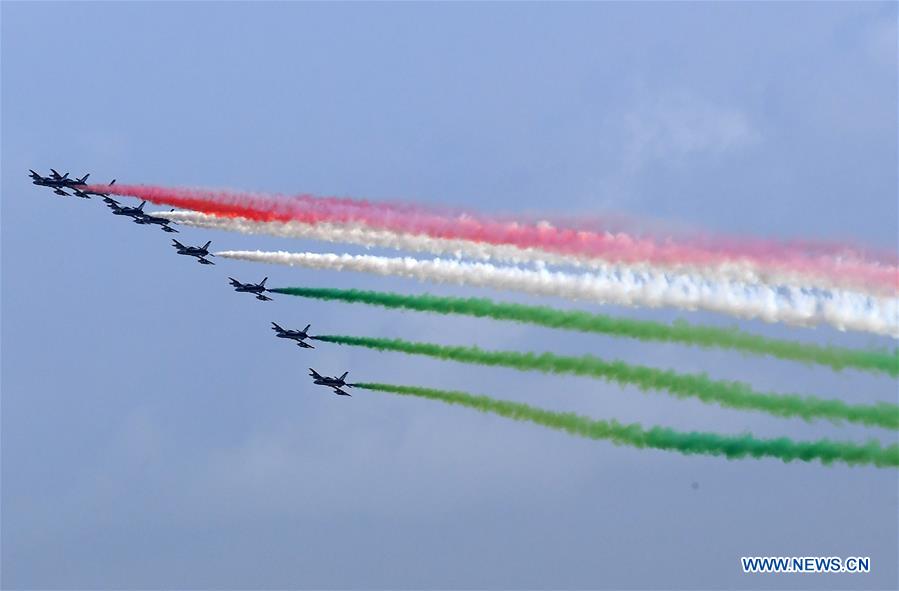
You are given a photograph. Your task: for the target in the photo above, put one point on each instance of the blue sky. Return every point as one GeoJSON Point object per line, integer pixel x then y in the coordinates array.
{"type": "Point", "coordinates": [154, 433]}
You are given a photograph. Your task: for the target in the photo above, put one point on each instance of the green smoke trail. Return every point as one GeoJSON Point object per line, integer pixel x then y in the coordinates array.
{"type": "Point", "coordinates": [679, 332]}
{"type": "Point", "coordinates": [730, 394]}
{"type": "Point", "coordinates": [827, 451]}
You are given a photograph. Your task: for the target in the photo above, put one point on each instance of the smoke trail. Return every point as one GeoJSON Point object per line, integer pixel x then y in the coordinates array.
{"type": "Point", "coordinates": [841, 309]}
{"type": "Point", "coordinates": [680, 332]}
{"type": "Point", "coordinates": [732, 447]}
{"type": "Point", "coordinates": [614, 248]}
{"type": "Point", "coordinates": [727, 394]}
{"type": "Point", "coordinates": [354, 233]}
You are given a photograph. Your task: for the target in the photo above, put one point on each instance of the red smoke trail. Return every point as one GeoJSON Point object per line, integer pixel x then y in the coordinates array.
{"type": "Point", "coordinates": [734, 246]}
{"type": "Point", "coordinates": [620, 247]}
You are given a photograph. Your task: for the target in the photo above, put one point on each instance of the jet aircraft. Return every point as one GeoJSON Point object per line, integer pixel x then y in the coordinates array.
{"type": "Point", "coordinates": [65, 181]}
{"type": "Point", "coordinates": [74, 182]}
{"type": "Point", "coordinates": [195, 251]}
{"type": "Point", "coordinates": [258, 288]}
{"type": "Point", "coordinates": [335, 383]}
{"type": "Point", "coordinates": [296, 335]}
{"type": "Point", "coordinates": [37, 179]}
{"type": "Point", "coordinates": [147, 219]}
{"type": "Point", "coordinates": [54, 180]}
{"type": "Point", "coordinates": [133, 212]}
{"type": "Point", "coordinates": [98, 193]}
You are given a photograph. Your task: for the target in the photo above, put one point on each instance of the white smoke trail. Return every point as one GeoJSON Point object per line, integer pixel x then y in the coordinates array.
{"type": "Point", "coordinates": [366, 236]}
{"type": "Point", "coordinates": [844, 310]}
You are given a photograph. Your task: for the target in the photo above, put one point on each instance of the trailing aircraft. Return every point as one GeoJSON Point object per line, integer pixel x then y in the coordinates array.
{"type": "Point", "coordinates": [147, 219]}
{"type": "Point", "coordinates": [195, 251]}
{"type": "Point", "coordinates": [336, 383]}
{"type": "Point", "coordinates": [133, 212]}
{"type": "Point", "coordinates": [296, 335]}
{"type": "Point", "coordinates": [257, 288]}
{"type": "Point", "coordinates": [98, 193]}
{"type": "Point", "coordinates": [75, 182]}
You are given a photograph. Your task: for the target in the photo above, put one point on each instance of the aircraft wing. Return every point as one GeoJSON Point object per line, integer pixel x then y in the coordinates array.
{"type": "Point", "coordinates": [304, 345]}
{"type": "Point", "coordinates": [340, 392]}
{"type": "Point", "coordinates": [263, 298]}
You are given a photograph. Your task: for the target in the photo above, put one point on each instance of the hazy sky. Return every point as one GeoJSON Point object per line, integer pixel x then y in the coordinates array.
{"type": "Point", "coordinates": [156, 434]}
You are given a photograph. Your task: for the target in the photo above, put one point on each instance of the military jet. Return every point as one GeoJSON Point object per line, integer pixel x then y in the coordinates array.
{"type": "Point", "coordinates": [335, 383]}
{"type": "Point", "coordinates": [133, 212]}
{"type": "Point", "coordinates": [65, 181]}
{"type": "Point", "coordinates": [37, 179]}
{"type": "Point", "coordinates": [258, 288]}
{"type": "Point", "coordinates": [296, 335]}
{"type": "Point", "coordinates": [99, 193]}
{"type": "Point", "coordinates": [55, 180]}
{"type": "Point", "coordinates": [147, 219]}
{"type": "Point", "coordinates": [73, 182]}
{"type": "Point", "coordinates": [195, 251]}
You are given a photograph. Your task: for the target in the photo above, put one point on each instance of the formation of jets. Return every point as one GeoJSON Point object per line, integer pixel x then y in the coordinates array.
{"type": "Point", "coordinates": [60, 183]}
{"type": "Point", "coordinates": [257, 288]}
{"type": "Point", "coordinates": [336, 383]}
{"type": "Point", "coordinates": [57, 181]}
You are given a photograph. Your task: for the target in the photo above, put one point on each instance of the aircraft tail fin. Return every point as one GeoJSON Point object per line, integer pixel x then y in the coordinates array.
{"type": "Point", "coordinates": [263, 281]}
{"type": "Point", "coordinates": [141, 206]}
{"type": "Point", "coordinates": [112, 183]}
{"type": "Point", "coordinates": [343, 377]}
{"type": "Point", "coordinates": [84, 178]}
{"type": "Point", "coordinates": [205, 246]}
{"type": "Point", "coordinates": [307, 328]}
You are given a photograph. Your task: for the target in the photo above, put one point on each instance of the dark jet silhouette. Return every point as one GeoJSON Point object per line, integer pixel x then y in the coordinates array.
{"type": "Point", "coordinates": [295, 335]}
{"type": "Point", "coordinates": [55, 180]}
{"type": "Point", "coordinates": [147, 219]}
{"type": "Point", "coordinates": [79, 193]}
{"type": "Point", "coordinates": [195, 251]}
{"type": "Point", "coordinates": [74, 182]}
{"type": "Point", "coordinates": [37, 179]}
{"type": "Point", "coordinates": [132, 212]}
{"type": "Point", "coordinates": [60, 192]}
{"type": "Point", "coordinates": [98, 193]}
{"type": "Point", "coordinates": [257, 288]}
{"type": "Point", "coordinates": [335, 383]}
